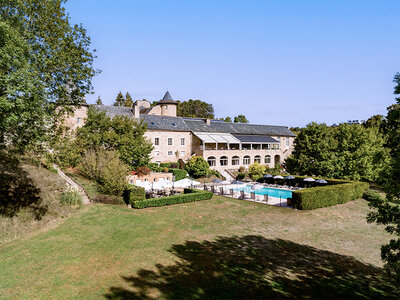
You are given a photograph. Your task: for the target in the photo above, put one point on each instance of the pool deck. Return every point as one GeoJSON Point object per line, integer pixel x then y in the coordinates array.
{"type": "Point", "coordinates": [258, 198]}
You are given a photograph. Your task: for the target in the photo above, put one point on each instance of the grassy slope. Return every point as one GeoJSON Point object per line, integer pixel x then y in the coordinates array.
{"type": "Point", "coordinates": [105, 250]}
{"type": "Point", "coordinates": [25, 222]}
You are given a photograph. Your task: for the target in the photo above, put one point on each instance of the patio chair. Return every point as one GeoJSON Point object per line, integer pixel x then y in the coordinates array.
{"type": "Point", "coordinates": [231, 192]}
{"type": "Point", "coordinates": [266, 198]}
{"type": "Point", "coordinates": [205, 188]}
{"type": "Point", "coordinates": [253, 196]}
{"type": "Point", "coordinates": [212, 189]}
{"type": "Point", "coordinates": [221, 191]}
{"type": "Point", "coordinates": [242, 195]}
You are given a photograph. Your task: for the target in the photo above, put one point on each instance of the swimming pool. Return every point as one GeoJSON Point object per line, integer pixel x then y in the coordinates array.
{"type": "Point", "coordinates": [284, 194]}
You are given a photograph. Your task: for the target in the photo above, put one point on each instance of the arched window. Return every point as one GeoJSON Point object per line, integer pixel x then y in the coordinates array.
{"type": "Point", "coordinates": [211, 161]}
{"type": "Point", "coordinates": [267, 159]}
{"type": "Point", "coordinates": [223, 161]}
{"type": "Point", "coordinates": [246, 160]}
{"type": "Point", "coordinates": [235, 161]}
{"type": "Point", "coordinates": [257, 159]}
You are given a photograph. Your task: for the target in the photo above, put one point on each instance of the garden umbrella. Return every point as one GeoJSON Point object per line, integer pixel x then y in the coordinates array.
{"type": "Point", "coordinates": [237, 182]}
{"type": "Point", "coordinates": [186, 183]}
{"type": "Point", "coordinates": [289, 177]}
{"type": "Point", "coordinates": [309, 179]}
{"type": "Point", "coordinates": [216, 181]}
{"type": "Point", "coordinates": [321, 181]}
{"type": "Point", "coordinates": [267, 176]}
{"type": "Point", "coordinates": [226, 182]}
{"type": "Point", "coordinates": [278, 177]}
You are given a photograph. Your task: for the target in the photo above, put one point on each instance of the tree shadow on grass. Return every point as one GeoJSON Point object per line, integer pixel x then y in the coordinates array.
{"type": "Point", "coordinates": [253, 267]}
{"type": "Point", "coordinates": [17, 190]}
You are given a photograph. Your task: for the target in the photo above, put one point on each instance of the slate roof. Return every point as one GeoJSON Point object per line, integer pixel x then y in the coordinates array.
{"type": "Point", "coordinates": [200, 125]}
{"type": "Point", "coordinates": [255, 138]}
{"type": "Point", "coordinates": [112, 111]}
{"type": "Point", "coordinates": [168, 99]}
{"type": "Point", "coordinates": [155, 122]}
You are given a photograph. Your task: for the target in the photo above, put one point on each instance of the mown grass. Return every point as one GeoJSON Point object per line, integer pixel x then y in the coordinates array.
{"type": "Point", "coordinates": [220, 248]}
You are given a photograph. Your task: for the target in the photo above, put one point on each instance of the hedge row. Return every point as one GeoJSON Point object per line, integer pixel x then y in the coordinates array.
{"type": "Point", "coordinates": [323, 196]}
{"type": "Point", "coordinates": [134, 193]}
{"type": "Point", "coordinates": [190, 195]}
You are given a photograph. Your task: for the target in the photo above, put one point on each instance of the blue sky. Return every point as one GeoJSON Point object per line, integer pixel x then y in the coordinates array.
{"type": "Point", "coordinates": [277, 62]}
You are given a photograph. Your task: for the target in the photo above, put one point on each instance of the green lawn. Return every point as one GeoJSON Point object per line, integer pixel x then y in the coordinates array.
{"type": "Point", "coordinates": [220, 248]}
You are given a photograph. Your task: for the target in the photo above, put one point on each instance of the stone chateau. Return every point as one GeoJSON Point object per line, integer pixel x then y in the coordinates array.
{"type": "Point", "coordinates": [224, 145]}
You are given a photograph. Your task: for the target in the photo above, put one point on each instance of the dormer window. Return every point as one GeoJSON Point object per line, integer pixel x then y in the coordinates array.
{"type": "Point", "coordinates": [78, 120]}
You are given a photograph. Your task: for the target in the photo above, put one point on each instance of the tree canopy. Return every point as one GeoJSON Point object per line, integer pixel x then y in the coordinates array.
{"type": "Point", "coordinates": [119, 133]}
{"type": "Point", "coordinates": [240, 119]}
{"type": "Point", "coordinates": [386, 212]}
{"type": "Point", "coordinates": [347, 151]}
{"type": "Point", "coordinates": [195, 109]}
{"type": "Point", "coordinates": [44, 62]}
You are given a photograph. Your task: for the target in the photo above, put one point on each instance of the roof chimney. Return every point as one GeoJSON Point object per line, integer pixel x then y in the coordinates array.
{"type": "Point", "coordinates": [208, 121]}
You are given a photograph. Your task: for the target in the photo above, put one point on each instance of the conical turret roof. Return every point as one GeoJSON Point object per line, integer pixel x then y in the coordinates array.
{"type": "Point", "coordinates": [167, 98]}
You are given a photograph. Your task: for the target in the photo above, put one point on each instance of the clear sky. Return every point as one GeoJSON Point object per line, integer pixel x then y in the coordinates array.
{"type": "Point", "coordinates": [277, 62]}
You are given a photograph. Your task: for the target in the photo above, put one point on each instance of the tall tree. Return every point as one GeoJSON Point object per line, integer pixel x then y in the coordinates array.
{"type": "Point", "coordinates": [195, 109]}
{"type": "Point", "coordinates": [228, 119]}
{"type": "Point", "coordinates": [128, 100]}
{"type": "Point", "coordinates": [119, 133]}
{"type": "Point", "coordinates": [385, 212]}
{"type": "Point", "coordinates": [45, 62]}
{"type": "Point", "coordinates": [98, 101]}
{"type": "Point", "coordinates": [347, 152]}
{"type": "Point", "coordinates": [120, 100]}
{"type": "Point", "coordinates": [240, 119]}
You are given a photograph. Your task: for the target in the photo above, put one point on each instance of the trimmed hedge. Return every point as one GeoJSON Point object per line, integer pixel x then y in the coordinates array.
{"type": "Point", "coordinates": [178, 173]}
{"type": "Point", "coordinates": [371, 195]}
{"type": "Point", "coordinates": [190, 195]}
{"type": "Point", "coordinates": [323, 196]}
{"type": "Point", "coordinates": [134, 193]}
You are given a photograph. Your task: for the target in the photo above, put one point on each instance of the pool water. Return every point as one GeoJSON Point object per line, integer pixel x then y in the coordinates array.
{"type": "Point", "coordinates": [284, 194]}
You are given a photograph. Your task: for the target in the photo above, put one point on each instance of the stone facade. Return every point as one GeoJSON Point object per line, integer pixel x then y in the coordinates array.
{"type": "Point", "coordinates": [224, 145]}
{"type": "Point", "coordinates": [170, 146]}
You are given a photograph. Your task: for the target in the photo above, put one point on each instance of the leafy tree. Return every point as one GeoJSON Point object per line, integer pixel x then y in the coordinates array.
{"type": "Point", "coordinates": [128, 101]}
{"type": "Point", "coordinates": [195, 109]}
{"type": "Point", "coordinates": [228, 119]}
{"type": "Point", "coordinates": [44, 62]}
{"type": "Point", "coordinates": [98, 101]}
{"type": "Point", "coordinates": [347, 151]}
{"type": "Point", "coordinates": [377, 121]}
{"type": "Point", "coordinates": [256, 171]}
{"type": "Point", "coordinates": [120, 100]}
{"type": "Point", "coordinates": [106, 168]}
{"type": "Point", "coordinates": [197, 167]}
{"type": "Point", "coordinates": [385, 212]}
{"type": "Point", "coordinates": [119, 133]}
{"type": "Point", "coordinates": [240, 119]}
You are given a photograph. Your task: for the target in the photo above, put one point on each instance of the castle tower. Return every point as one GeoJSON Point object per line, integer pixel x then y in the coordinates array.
{"type": "Point", "coordinates": [168, 105]}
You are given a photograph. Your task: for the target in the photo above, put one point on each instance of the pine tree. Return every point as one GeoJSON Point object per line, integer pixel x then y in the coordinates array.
{"type": "Point", "coordinates": [128, 101]}
{"type": "Point", "coordinates": [98, 101]}
{"type": "Point", "coordinates": [120, 100]}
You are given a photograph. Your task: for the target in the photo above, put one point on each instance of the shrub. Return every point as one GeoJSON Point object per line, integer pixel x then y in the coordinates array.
{"type": "Point", "coordinates": [134, 193]}
{"type": "Point", "coordinates": [173, 166]}
{"type": "Point", "coordinates": [71, 197]}
{"type": "Point", "coordinates": [169, 165]}
{"type": "Point", "coordinates": [190, 195]}
{"type": "Point", "coordinates": [256, 171]}
{"type": "Point", "coordinates": [143, 171]}
{"type": "Point", "coordinates": [242, 169]}
{"type": "Point", "coordinates": [197, 167]}
{"type": "Point", "coordinates": [372, 195]}
{"type": "Point", "coordinates": [165, 170]}
{"type": "Point", "coordinates": [106, 169]}
{"type": "Point", "coordinates": [108, 200]}
{"type": "Point", "coordinates": [323, 196]}
{"type": "Point", "coordinates": [240, 176]}
{"type": "Point", "coordinates": [178, 173]}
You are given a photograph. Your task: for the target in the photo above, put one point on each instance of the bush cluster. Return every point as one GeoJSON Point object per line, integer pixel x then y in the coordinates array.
{"type": "Point", "coordinates": [197, 167]}
{"type": "Point", "coordinates": [173, 165]}
{"type": "Point", "coordinates": [240, 176]}
{"type": "Point", "coordinates": [323, 196]}
{"type": "Point", "coordinates": [190, 195]}
{"type": "Point", "coordinates": [256, 171]}
{"type": "Point", "coordinates": [178, 173]}
{"type": "Point", "coordinates": [71, 197]}
{"type": "Point", "coordinates": [134, 193]}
